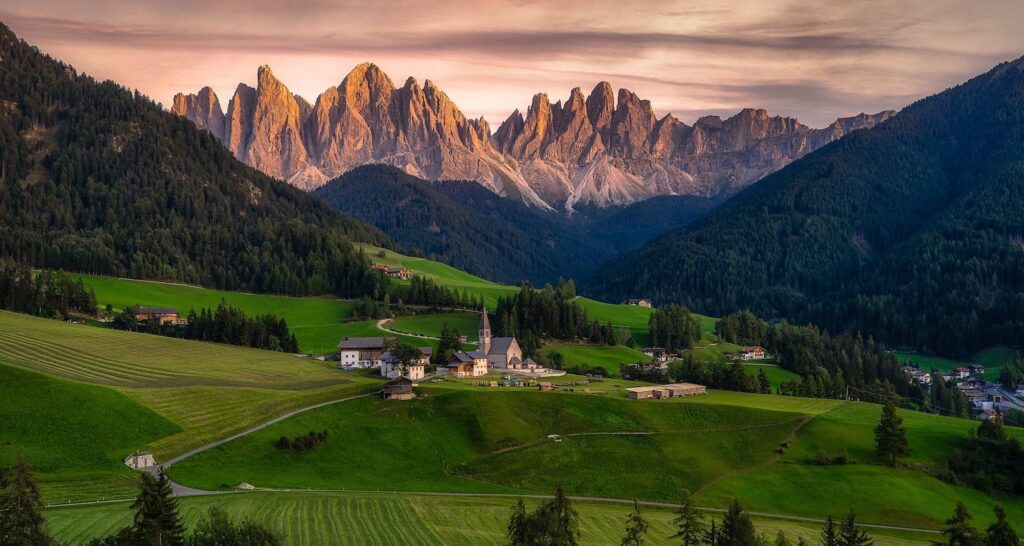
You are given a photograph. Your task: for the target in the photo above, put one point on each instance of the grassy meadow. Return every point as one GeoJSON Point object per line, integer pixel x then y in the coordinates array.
{"type": "Point", "coordinates": [203, 391]}
{"type": "Point", "coordinates": [316, 321]}
{"type": "Point", "coordinates": [329, 519]}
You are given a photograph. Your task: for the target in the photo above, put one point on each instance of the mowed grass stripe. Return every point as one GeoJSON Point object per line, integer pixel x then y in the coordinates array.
{"type": "Point", "coordinates": [56, 358]}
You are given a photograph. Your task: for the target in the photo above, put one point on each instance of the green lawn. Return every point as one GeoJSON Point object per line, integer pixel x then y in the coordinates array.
{"type": "Point", "coordinates": [316, 321]}
{"type": "Point", "coordinates": [74, 435]}
{"type": "Point", "coordinates": [775, 374]}
{"type": "Point", "coordinates": [329, 519]}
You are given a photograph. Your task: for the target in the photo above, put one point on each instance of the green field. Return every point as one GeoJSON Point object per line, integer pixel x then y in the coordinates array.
{"type": "Point", "coordinates": [328, 519]}
{"type": "Point", "coordinates": [75, 435]}
{"type": "Point", "coordinates": [316, 321]}
{"type": "Point", "coordinates": [594, 355]}
{"type": "Point", "coordinates": [467, 324]}
{"type": "Point", "coordinates": [206, 390]}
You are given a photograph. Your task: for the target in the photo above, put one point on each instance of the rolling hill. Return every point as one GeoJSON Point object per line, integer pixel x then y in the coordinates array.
{"type": "Point", "coordinates": [465, 225]}
{"type": "Point", "coordinates": [910, 231]}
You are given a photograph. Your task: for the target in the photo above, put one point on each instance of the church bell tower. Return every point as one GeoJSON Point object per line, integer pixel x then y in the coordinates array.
{"type": "Point", "coordinates": [485, 332]}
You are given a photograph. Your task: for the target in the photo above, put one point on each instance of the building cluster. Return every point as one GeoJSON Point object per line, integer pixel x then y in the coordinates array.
{"type": "Point", "coordinates": [502, 354]}
{"type": "Point", "coordinates": [639, 302]}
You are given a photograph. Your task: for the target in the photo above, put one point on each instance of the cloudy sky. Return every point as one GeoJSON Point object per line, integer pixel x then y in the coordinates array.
{"type": "Point", "coordinates": [816, 60]}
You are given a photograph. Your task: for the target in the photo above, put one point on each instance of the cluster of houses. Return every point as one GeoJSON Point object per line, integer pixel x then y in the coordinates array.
{"type": "Point", "coordinates": [393, 272]}
{"type": "Point", "coordinates": [959, 375]}
{"type": "Point", "coordinates": [493, 353]}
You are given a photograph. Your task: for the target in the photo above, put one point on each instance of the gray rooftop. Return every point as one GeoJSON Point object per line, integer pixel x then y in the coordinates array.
{"type": "Point", "coordinates": [501, 345]}
{"type": "Point", "coordinates": [363, 343]}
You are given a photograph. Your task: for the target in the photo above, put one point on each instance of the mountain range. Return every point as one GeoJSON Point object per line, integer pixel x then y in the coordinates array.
{"type": "Point", "coordinates": [912, 232]}
{"type": "Point", "coordinates": [601, 149]}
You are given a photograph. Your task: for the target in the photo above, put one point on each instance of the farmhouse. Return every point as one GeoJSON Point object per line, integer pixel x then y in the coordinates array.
{"type": "Point", "coordinates": [502, 352]}
{"type": "Point", "coordinates": [398, 273]}
{"type": "Point", "coordinates": [656, 353]}
{"type": "Point", "coordinates": [363, 352]}
{"type": "Point", "coordinates": [391, 368]}
{"type": "Point", "coordinates": [751, 353]}
{"type": "Point", "coordinates": [638, 302]}
{"type": "Point", "coordinates": [463, 364]}
{"type": "Point", "coordinates": [166, 315]}
{"type": "Point", "coordinates": [665, 391]}
{"type": "Point", "coordinates": [139, 460]}
{"type": "Point", "coordinates": [398, 389]}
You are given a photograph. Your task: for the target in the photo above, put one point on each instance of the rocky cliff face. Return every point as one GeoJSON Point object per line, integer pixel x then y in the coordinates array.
{"type": "Point", "coordinates": [599, 149]}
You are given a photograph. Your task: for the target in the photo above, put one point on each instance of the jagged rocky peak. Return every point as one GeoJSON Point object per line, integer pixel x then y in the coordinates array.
{"type": "Point", "coordinates": [602, 148]}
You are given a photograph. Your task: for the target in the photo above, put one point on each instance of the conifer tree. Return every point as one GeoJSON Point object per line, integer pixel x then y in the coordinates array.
{"type": "Point", "coordinates": [518, 526]}
{"type": "Point", "coordinates": [891, 436]}
{"type": "Point", "coordinates": [737, 530]}
{"type": "Point", "coordinates": [959, 531]}
{"type": "Point", "coordinates": [829, 533]}
{"type": "Point", "coordinates": [1001, 533]}
{"type": "Point", "coordinates": [21, 508]}
{"type": "Point", "coordinates": [636, 527]}
{"type": "Point", "coordinates": [712, 534]}
{"type": "Point", "coordinates": [689, 523]}
{"type": "Point", "coordinates": [850, 535]}
{"type": "Point", "coordinates": [781, 540]}
{"type": "Point", "coordinates": [157, 522]}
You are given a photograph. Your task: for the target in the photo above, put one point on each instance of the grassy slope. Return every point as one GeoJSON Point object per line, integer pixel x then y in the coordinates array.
{"type": "Point", "coordinates": [992, 359]}
{"type": "Point", "coordinates": [75, 435]}
{"type": "Point", "coordinates": [208, 390]}
{"type": "Point", "coordinates": [608, 357]}
{"type": "Point", "coordinates": [316, 321]}
{"type": "Point", "coordinates": [356, 519]}
{"type": "Point", "coordinates": [467, 324]}
{"type": "Point", "coordinates": [720, 445]}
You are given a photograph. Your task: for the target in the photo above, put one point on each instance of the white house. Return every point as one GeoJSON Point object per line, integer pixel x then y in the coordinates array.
{"type": "Point", "coordinates": [391, 368]}
{"type": "Point", "coordinates": [139, 460]}
{"type": "Point", "coordinates": [463, 364]}
{"type": "Point", "coordinates": [363, 352]}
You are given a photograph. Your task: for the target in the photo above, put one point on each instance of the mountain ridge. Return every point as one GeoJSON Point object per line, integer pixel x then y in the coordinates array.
{"type": "Point", "coordinates": [600, 149]}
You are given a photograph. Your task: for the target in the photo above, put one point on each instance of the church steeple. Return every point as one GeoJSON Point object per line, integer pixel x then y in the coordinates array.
{"type": "Point", "coordinates": [485, 332]}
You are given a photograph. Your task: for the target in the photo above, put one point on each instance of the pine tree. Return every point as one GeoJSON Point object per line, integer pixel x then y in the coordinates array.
{"type": "Point", "coordinates": [636, 527]}
{"type": "Point", "coordinates": [1001, 533]}
{"type": "Point", "coordinates": [959, 531]}
{"type": "Point", "coordinates": [518, 525]}
{"type": "Point", "coordinates": [157, 522]}
{"type": "Point", "coordinates": [21, 508]}
{"type": "Point", "coordinates": [890, 435]}
{"type": "Point", "coordinates": [559, 521]}
{"type": "Point", "coordinates": [689, 522]}
{"type": "Point", "coordinates": [829, 533]}
{"type": "Point", "coordinates": [712, 534]}
{"type": "Point", "coordinates": [850, 535]}
{"type": "Point", "coordinates": [781, 540]}
{"type": "Point", "coordinates": [737, 530]}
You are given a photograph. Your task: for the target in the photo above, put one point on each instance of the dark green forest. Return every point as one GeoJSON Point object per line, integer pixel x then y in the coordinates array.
{"type": "Point", "coordinates": [912, 232]}
{"type": "Point", "coordinates": [95, 178]}
{"type": "Point", "coordinates": [470, 227]}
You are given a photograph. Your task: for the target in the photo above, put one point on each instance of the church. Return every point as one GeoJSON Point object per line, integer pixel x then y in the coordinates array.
{"type": "Point", "coordinates": [503, 353]}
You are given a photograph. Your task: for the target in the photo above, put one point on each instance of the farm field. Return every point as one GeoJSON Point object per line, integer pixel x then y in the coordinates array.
{"type": "Point", "coordinates": [323, 519]}
{"type": "Point", "coordinates": [721, 445]}
{"type": "Point", "coordinates": [206, 390]}
{"type": "Point", "coordinates": [316, 321]}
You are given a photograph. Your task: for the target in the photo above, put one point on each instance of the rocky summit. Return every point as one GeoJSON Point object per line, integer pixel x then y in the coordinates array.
{"type": "Point", "coordinates": [601, 149]}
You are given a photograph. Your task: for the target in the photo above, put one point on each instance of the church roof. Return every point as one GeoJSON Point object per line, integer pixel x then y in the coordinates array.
{"type": "Point", "coordinates": [485, 323]}
{"type": "Point", "coordinates": [501, 345]}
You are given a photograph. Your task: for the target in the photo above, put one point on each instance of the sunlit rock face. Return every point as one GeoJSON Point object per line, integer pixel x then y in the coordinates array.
{"type": "Point", "coordinates": [600, 149]}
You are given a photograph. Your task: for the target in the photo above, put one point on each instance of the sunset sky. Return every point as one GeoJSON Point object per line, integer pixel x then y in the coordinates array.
{"type": "Point", "coordinates": [810, 59]}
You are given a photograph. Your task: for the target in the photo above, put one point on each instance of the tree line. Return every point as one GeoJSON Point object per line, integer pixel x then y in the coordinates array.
{"type": "Point", "coordinates": [226, 324]}
{"type": "Point", "coordinates": [532, 315]}
{"type": "Point", "coordinates": [43, 294]}
{"type": "Point", "coordinates": [673, 328]}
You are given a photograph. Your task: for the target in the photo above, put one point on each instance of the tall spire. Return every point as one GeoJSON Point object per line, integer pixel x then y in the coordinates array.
{"type": "Point", "coordinates": [485, 332]}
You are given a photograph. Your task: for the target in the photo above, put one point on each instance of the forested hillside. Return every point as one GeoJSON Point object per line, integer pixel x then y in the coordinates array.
{"type": "Point", "coordinates": [95, 178]}
{"type": "Point", "coordinates": [912, 232]}
{"type": "Point", "coordinates": [472, 228]}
